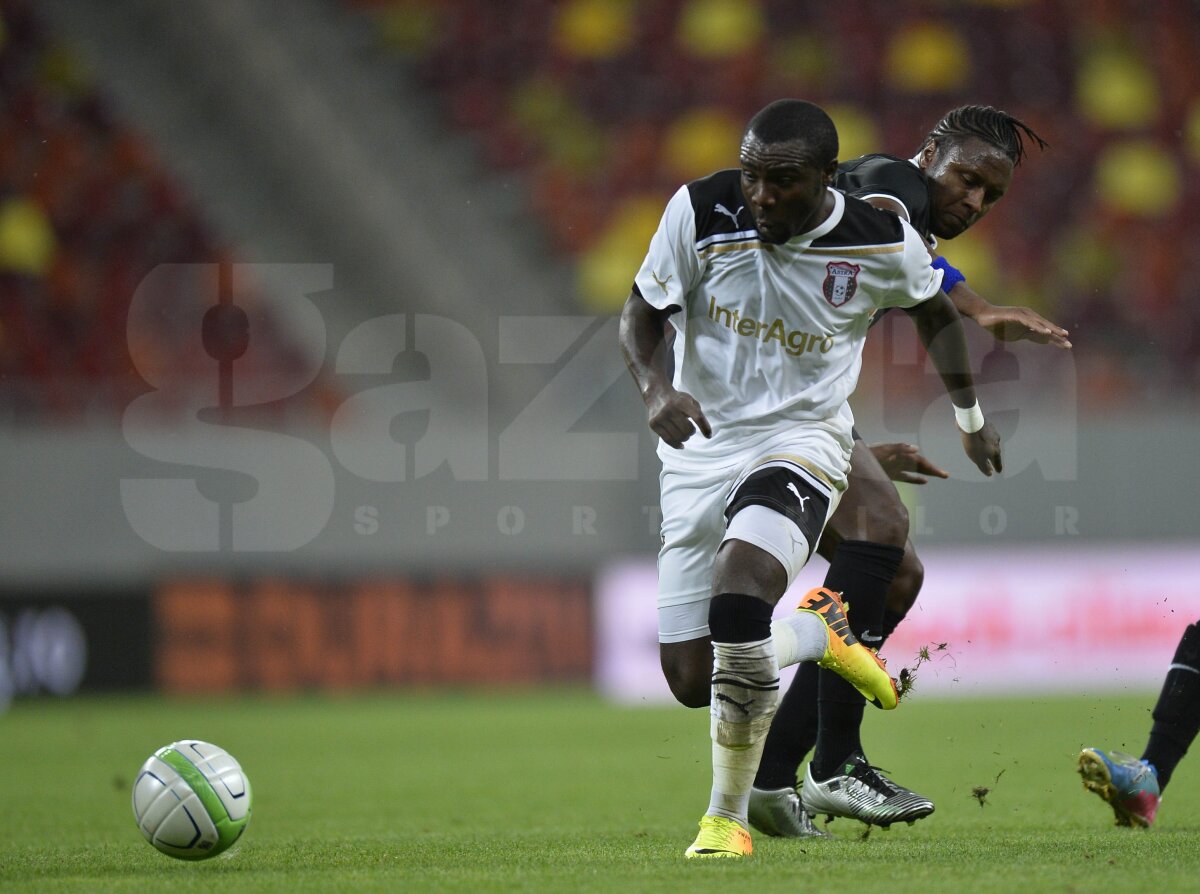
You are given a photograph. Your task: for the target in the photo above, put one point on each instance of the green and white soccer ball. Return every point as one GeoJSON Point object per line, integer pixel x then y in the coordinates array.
{"type": "Point", "coordinates": [191, 800]}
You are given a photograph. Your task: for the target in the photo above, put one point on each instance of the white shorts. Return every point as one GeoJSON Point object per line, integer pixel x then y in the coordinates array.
{"type": "Point", "coordinates": [695, 505]}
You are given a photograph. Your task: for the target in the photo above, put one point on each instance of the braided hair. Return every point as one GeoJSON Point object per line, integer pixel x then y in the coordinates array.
{"type": "Point", "coordinates": [991, 125]}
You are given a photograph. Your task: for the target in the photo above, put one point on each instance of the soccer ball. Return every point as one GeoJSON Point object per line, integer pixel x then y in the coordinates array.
{"type": "Point", "coordinates": [191, 800]}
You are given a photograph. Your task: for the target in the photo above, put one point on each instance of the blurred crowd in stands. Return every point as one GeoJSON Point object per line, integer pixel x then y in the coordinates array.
{"type": "Point", "coordinates": [603, 107]}
{"type": "Point", "coordinates": [606, 106]}
{"type": "Point", "coordinates": [86, 211]}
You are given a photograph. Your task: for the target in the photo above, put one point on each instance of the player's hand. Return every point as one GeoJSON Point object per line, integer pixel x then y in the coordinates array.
{"type": "Point", "coordinates": [675, 416]}
{"type": "Point", "coordinates": [904, 462]}
{"type": "Point", "coordinates": [1016, 323]}
{"type": "Point", "coordinates": [983, 448]}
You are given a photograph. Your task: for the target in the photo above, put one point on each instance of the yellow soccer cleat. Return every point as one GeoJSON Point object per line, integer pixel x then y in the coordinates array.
{"type": "Point", "coordinates": [720, 837]}
{"type": "Point", "coordinates": [845, 655]}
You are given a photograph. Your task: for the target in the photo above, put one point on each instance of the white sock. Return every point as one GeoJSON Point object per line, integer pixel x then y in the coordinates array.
{"type": "Point", "coordinates": [800, 636]}
{"type": "Point", "coordinates": [745, 694]}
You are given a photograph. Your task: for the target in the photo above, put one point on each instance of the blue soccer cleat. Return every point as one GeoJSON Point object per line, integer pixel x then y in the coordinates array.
{"type": "Point", "coordinates": [1129, 785]}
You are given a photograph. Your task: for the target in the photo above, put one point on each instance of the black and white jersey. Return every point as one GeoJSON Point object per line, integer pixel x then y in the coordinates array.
{"type": "Point", "coordinates": [769, 336]}
{"type": "Point", "coordinates": [889, 177]}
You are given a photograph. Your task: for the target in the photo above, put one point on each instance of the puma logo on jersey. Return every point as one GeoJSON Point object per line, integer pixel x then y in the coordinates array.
{"type": "Point", "coordinates": [802, 500]}
{"type": "Point", "coordinates": [662, 283]}
{"type": "Point", "coordinates": [732, 215]}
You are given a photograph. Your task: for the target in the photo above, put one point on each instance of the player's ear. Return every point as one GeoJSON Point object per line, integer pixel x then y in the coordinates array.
{"type": "Point", "coordinates": [927, 154]}
{"type": "Point", "coordinates": [829, 172]}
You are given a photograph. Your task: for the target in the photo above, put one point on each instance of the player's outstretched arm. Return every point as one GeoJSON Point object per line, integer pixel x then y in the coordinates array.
{"type": "Point", "coordinates": [672, 415]}
{"type": "Point", "coordinates": [939, 327]}
{"type": "Point", "coordinates": [905, 463]}
{"type": "Point", "coordinates": [1007, 323]}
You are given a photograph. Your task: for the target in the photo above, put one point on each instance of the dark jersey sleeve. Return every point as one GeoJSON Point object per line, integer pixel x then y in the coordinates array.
{"type": "Point", "coordinates": [873, 175]}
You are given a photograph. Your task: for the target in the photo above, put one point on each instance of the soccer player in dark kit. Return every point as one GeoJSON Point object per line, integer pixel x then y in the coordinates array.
{"type": "Point", "coordinates": [964, 167]}
{"type": "Point", "coordinates": [1132, 786]}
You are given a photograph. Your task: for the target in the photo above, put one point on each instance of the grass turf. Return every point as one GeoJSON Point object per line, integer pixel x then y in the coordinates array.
{"type": "Point", "coordinates": [561, 792]}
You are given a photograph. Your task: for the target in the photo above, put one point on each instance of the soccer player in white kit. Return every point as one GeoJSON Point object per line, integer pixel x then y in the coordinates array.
{"type": "Point", "coordinates": [768, 279]}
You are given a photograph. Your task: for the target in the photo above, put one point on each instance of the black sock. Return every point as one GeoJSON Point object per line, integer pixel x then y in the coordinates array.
{"type": "Point", "coordinates": [862, 572]}
{"type": "Point", "coordinates": [891, 620]}
{"type": "Point", "coordinates": [1177, 714]}
{"type": "Point", "coordinates": [738, 618]}
{"type": "Point", "coordinates": [789, 742]}
{"type": "Point", "coordinates": [840, 709]}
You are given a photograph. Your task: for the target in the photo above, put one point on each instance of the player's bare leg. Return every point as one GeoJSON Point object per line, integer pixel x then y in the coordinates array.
{"type": "Point", "coordinates": [687, 667]}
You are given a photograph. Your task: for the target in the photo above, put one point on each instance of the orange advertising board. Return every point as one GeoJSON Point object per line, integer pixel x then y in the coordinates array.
{"type": "Point", "coordinates": [274, 634]}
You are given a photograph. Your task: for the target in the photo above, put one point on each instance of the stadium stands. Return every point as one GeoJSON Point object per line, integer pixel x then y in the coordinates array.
{"type": "Point", "coordinates": [86, 211]}
{"type": "Point", "coordinates": [603, 107]}
{"type": "Point", "coordinates": [606, 105]}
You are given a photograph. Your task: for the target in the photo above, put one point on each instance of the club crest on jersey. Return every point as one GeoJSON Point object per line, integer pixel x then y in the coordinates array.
{"type": "Point", "coordinates": [841, 282]}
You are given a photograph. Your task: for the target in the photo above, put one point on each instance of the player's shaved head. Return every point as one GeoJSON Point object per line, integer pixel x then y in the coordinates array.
{"type": "Point", "coordinates": [795, 121]}
{"type": "Point", "coordinates": [788, 159]}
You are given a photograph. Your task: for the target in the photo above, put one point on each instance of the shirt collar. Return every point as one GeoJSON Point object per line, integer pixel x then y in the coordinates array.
{"type": "Point", "coordinates": [834, 218]}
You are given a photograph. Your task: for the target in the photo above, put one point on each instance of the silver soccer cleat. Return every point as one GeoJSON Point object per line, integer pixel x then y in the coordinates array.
{"type": "Point", "coordinates": [863, 793]}
{"type": "Point", "coordinates": [778, 812]}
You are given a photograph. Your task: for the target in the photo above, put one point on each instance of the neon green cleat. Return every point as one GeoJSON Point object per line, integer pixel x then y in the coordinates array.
{"type": "Point", "coordinates": [845, 655]}
{"type": "Point", "coordinates": [720, 837]}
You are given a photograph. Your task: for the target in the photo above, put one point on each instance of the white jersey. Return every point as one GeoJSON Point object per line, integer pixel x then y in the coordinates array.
{"type": "Point", "coordinates": [772, 335]}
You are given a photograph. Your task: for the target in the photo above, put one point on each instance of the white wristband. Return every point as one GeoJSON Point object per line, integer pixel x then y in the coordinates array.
{"type": "Point", "coordinates": [969, 419]}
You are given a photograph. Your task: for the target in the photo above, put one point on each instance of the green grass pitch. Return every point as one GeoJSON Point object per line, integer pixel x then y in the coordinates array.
{"type": "Point", "coordinates": [559, 791]}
